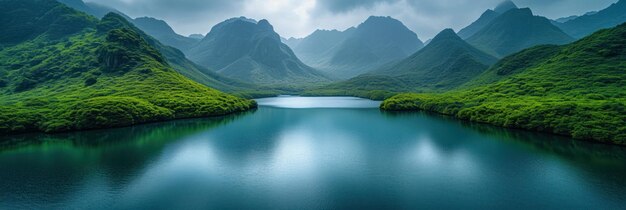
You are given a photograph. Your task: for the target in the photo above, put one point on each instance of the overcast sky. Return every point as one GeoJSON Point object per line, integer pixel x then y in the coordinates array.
{"type": "Point", "coordinates": [298, 18]}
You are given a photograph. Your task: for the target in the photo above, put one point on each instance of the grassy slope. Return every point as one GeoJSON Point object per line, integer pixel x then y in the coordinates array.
{"type": "Point", "coordinates": [175, 57]}
{"type": "Point", "coordinates": [103, 74]}
{"type": "Point", "coordinates": [577, 91]}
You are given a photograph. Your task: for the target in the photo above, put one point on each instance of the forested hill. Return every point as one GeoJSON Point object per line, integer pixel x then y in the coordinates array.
{"type": "Point", "coordinates": [576, 90]}
{"type": "Point", "coordinates": [61, 69]}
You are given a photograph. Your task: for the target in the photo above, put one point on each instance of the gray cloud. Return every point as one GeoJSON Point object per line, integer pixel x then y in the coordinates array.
{"type": "Point", "coordinates": [298, 18]}
{"type": "Point", "coordinates": [349, 5]}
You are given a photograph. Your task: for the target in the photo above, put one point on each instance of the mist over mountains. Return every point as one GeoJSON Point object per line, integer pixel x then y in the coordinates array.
{"type": "Point", "coordinates": [253, 52]}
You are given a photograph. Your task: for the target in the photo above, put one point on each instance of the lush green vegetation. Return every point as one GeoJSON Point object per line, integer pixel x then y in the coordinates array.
{"type": "Point", "coordinates": [152, 29]}
{"type": "Point", "coordinates": [96, 74]}
{"type": "Point", "coordinates": [576, 90]}
{"type": "Point", "coordinates": [373, 87]}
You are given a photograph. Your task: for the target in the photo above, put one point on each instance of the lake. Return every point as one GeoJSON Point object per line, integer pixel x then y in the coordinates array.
{"type": "Point", "coordinates": [310, 153]}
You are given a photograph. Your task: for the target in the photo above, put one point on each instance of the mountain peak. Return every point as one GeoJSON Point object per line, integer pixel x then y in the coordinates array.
{"type": "Point", "coordinates": [252, 52]}
{"type": "Point", "coordinates": [196, 36]}
{"type": "Point", "coordinates": [520, 12]}
{"type": "Point", "coordinates": [505, 6]}
{"type": "Point", "coordinates": [378, 25]}
{"type": "Point", "coordinates": [265, 25]}
{"type": "Point", "coordinates": [153, 24]}
{"type": "Point", "coordinates": [380, 20]}
{"type": "Point", "coordinates": [446, 34]}
{"type": "Point", "coordinates": [242, 18]}
{"type": "Point", "coordinates": [111, 21]}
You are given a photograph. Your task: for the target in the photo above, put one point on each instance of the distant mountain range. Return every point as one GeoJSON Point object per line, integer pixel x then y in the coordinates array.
{"type": "Point", "coordinates": [515, 30]}
{"type": "Point", "coordinates": [253, 52]}
{"type": "Point", "coordinates": [344, 54]}
{"type": "Point", "coordinates": [315, 48]}
{"type": "Point", "coordinates": [581, 26]}
{"type": "Point", "coordinates": [446, 63]}
{"type": "Point", "coordinates": [196, 36]}
{"type": "Point", "coordinates": [486, 18]}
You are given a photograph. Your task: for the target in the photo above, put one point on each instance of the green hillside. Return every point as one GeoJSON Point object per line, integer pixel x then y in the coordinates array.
{"type": "Point", "coordinates": [576, 90]}
{"type": "Point", "coordinates": [160, 35]}
{"type": "Point", "coordinates": [516, 30]}
{"type": "Point", "coordinates": [445, 63]}
{"type": "Point", "coordinates": [61, 70]}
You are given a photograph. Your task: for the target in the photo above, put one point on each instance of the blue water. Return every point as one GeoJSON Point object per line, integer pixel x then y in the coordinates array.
{"type": "Point", "coordinates": [310, 153]}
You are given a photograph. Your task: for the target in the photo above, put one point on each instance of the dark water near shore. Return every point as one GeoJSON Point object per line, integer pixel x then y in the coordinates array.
{"type": "Point", "coordinates": [310, 153]}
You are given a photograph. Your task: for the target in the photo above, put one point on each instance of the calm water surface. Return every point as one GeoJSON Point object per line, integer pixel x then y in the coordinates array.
{"type": "Point", "coordinates": [310, 153]}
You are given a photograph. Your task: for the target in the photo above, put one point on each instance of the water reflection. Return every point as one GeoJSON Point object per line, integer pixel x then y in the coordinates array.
{"type": "Point", "coordinates": [298, 102]}
{"type": "Point", "coordinates": [89, 163]}
{"type": "Point", "coordinates": [310, 159]}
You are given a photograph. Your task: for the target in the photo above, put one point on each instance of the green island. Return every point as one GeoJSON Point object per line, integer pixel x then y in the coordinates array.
{"type": "Point", "coordinates": [576, 90]}
{"type": "Point", "coordinates": [65, 70]}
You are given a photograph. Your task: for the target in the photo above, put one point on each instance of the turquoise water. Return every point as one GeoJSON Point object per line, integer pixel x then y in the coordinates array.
{"type": "Point", "coordinates": [310, 153]}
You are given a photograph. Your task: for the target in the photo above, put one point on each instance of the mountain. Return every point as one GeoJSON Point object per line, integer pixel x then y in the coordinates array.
{"type": "Point", "coordinates": [375, 42]}
{"type": "Point", "coordinates": [565, 19]}
{"type": "Point", "coordinates": [196, 36]}
{"type": "Point", "coordinates": [91, 8]}
{"type": "Point", "coordinates": [251, 51]}
{"type": "Point", "coordinates": [575, 90]}
{"type": "Point", "coordinates": [584, 25]}
{"type": "Point", "coordinates": [160, 30]}
{"type": "Point", "coordinates": [61, 70]}
{"type": "Point", "coordinates": [77, 5]}
{"type": "Point", "coordinates": [156, 28]}
{"type": "Point", "coordinates": [486, 18]}
{"type": "Point", "coordinates": [177, 58]}
{"type": "Point", "coordinates": [505, 6]}
{"type": "Point", "coordinates": [292, 42]}
{"type": "Point", "coordinates": [516, 30]}
{"type": "Point", "coordinates": [479, 24]}
{"type": "Point", "coordinates": [316, 47]}
{"type": "Point", "coordinates": [345, 54]}
{"type": "Point", "coordinates": [446, 63]}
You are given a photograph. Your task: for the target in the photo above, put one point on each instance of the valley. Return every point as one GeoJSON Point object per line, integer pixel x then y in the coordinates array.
{"type": "Point", "coordinates": [510, 68]}
{"type": "Point", "coordinates": [246, 104]}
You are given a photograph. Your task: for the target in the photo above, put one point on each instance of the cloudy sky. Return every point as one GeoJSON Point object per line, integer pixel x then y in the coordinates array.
{"type": "Point", "coordinates": [298, 18]}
